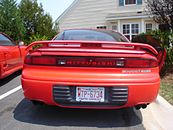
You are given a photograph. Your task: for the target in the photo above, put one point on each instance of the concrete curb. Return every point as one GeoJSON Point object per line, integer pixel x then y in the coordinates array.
{"type": "Point", "coordinates": [167, 104]}
{"type": "Point", "coordinates": [158, 115]}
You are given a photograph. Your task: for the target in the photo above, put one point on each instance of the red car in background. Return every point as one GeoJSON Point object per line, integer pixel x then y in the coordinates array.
{"type": "Point", "coordinates": [97, 69]}
{"type": "Point", "coordinates": [11, 56]}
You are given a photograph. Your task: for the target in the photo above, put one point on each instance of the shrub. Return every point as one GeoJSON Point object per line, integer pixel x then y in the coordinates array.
{"type": "Point", "coordinates": [37, 37]}
{"type": "Point", "coordinates": [158, 38]}
{"type": "Point", "coordinates": [148, 39]}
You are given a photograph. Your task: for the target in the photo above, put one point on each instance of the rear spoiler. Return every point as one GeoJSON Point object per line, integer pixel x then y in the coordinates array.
{"type": "Point", "coordinates": [94, 45]}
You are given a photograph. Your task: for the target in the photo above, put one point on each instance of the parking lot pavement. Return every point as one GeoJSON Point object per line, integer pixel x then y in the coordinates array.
{"type": "Point", "coordinates": [18, 113]}
{"type": "Point", "coordinates": [10, 82]}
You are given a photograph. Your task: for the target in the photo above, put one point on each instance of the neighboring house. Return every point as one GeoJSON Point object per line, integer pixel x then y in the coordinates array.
{"type": "Point", "coordinates": [126, 16]}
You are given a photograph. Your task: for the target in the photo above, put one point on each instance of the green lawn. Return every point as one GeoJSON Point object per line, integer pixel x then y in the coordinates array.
{"type": "Point", "coordinates": [166, 89]}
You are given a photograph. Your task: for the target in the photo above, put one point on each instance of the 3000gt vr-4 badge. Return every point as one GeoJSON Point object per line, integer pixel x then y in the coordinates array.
{"type": "Point", "coordinates": [136, 71]}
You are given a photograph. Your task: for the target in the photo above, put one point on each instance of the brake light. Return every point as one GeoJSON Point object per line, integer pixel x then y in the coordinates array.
{"type": "Point", "coordinates": [141, 63]}
{"type": "Point", "coordinates": [38, 60]}
{"type": "Point", "coordinates": [91, 62]}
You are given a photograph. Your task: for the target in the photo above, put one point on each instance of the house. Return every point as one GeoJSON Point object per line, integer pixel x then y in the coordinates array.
{"type": "Point", "coordinates": [126, 16]}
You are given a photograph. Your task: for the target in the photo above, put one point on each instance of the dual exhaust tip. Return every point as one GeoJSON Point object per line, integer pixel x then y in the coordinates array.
{"type": "Point", "coordinates": [143, 106]}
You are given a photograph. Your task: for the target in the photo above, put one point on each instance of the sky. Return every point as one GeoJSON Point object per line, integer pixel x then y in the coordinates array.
{"type": "Point", "coordinates": [54, 7]}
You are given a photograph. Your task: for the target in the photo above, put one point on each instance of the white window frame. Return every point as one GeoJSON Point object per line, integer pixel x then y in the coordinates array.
{"type": "Point", "coordinates": [146, 26]}
{"type": "Point", "coordinates": [129, 4]}
{"type": "Point", "coordinates": [130, 33]}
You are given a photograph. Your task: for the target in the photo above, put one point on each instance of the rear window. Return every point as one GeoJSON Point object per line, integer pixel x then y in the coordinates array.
{"type": "Point", "coordinates": [91, 35]}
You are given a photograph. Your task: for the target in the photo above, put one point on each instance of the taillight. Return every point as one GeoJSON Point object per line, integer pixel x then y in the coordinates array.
{"type": "Point", "coordinates": [91, 62]}
{"type": "Point", "coordinates": [141, 63]}
{"type": "Point", "coordinates": [39, 60]}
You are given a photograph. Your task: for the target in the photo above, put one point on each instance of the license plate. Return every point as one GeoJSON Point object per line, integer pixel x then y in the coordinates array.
{"type": "Point", "coordinates": [90, 94]}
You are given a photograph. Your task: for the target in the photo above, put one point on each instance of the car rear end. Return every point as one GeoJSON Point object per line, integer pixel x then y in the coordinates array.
{"type": "Point", "coordinates": [91, 74]}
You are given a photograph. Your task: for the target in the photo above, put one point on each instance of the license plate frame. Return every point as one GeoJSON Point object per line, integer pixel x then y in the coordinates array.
{"type": "Point", "coordinates": [90, 94]}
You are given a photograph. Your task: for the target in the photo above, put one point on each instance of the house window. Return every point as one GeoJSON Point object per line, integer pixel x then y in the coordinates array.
{"type": "Point", "coordinates": [130, 30]}
{"type": "Point", "coordinates": [114, 27]}
{"type": "Point", "coordinates": [126, 30]}
{"type": "Point", "coordinates": [129, 2]}
{"type": "Point", "coordinates": [135, 28]}
{"type": "Point", "coordinates": [149, 27]}
{"type": "Point", "coordinates": [101, 27]}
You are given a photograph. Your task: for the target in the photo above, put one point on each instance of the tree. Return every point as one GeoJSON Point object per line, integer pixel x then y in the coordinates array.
{"type": "Point", "coordinates": [35, 19]}
{"type": "Point", "coordinates": [45, 26]}
{"type": "Point", "coordinates": [162, 10]}
{"type": "Point", "coordinates": [10, 21]}
{"type": "Point", "coordinates": [56, 27]}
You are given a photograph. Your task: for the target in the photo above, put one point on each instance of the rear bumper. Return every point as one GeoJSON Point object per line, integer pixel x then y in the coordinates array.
{"type": "Point", "coordinates": [138, 93]}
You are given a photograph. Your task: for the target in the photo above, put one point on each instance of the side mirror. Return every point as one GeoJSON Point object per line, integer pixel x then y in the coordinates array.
{"type": "Point", "coordinates": [21, 43]}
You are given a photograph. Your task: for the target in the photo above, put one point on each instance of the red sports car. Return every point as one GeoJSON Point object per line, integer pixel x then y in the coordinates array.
{"type": "Point", "coordinates": [97, 69]}
{"type": "Point", "coordinates": [11, 56]}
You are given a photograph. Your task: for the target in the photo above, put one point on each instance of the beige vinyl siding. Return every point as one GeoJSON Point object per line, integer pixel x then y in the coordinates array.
{"type": "Point", "coordinates": [90, 13]}
{"type": "Point", "coordinates": [129, 8]}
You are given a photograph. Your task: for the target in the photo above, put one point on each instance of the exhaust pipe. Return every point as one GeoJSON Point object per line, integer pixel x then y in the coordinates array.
{"type": "Point", "coordinates": [143, 106]}
{"type": "Point", "coordinates": [138, 107]}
